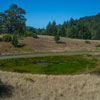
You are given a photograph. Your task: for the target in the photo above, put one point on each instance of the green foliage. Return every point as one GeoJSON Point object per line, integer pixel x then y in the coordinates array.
{"type": "Point", "coordinates": [7, 38]}
{"type": "Point", "coordinates": [31, 34]}
{"type": "Point", "coordinates": [72, 65]}
{"type": "Point", "coordinates": [0, 39]}
{"type": "Point", "coordinates": [61, 31]}
{"type": "Point", "coordinates": [1, 22]}
{"type": "Point", "coordinates": [34, 35]}
{"type": "Point", "coordinates": [72, 29]}
{"type": "Point", "coordinates": [84, 28]}
{"type": "Point", "coordinates": [56, 38]}
{"type": "Point", "coordinates": [0, 82]}
{"type": "Point", "coordinates": [28, 33]}
{"type": "Point", "coordinates": [51, 28]}
{"type": "Point", "coordinates": [97, 35]}
{"type": "Point", "coordinates": [13, 20]}
{"type": "Point", "coordinates": [80, 31]}
{"type": "Point", "coordinates": [31, 29]}
{"type": "Point", "coordinates": [98, 45]}
{"type": "Point", "coordinates": [41, 32]}
{"type": "Point", "coordinates": [14, 41]}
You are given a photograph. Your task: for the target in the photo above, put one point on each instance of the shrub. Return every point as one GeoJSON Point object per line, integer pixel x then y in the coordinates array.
{"type": "Point", "coordinates": [88, 42]}
{"type": "Point", "coordinates": [14, 41]}
{"type": "Point", "coordinates": [28, 33]}
{"type": "Point", "coordinates": [0, 83]}
{"type": "Point", "coordinates": [7, 38]}
{"type": "Point", "coordinates": [17, 34]}
{"type": "Point", "coordinates": [98, 45]}
{"type": "Point", "coordinates": [0, 39]}
{"type": "Point", "coordinates": [34, 35]}
{"type": "Point", "coordinates": [57, 38]}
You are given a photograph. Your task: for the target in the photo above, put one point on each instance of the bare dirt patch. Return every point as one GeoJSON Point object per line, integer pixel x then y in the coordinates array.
{"type": "Point", "coordinates": [43, 87]}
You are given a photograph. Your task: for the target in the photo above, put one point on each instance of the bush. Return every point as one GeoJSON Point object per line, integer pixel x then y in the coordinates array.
{"type": "Point", "coordinates": [0, 39]}
{"type": "Point", "coordinates": [98, 45]}
{"type": "Point", "coordinates": [57, 38]}
{"type": "Point", "coordinates": [34, 35]}
{"type": "Point", "coordinates": [88, 42]}
{"type": "Point", "coordinates": [1, 83]}
{"type": "Point", "coordinates": [28, 33]}
{"type": "Point", "coordinates": [14, 41]}
{"type": "Point", "coordinates": [7, 38]}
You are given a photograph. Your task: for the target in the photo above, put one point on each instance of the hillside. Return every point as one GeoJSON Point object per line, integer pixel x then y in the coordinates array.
{"type": "Point", "coordinates": [44, 55]}
{"type": "Point", "coordinates": [47, 44]}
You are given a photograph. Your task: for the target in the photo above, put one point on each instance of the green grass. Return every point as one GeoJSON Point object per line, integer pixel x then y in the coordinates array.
{"type": "Point", "coordinates": [72, 65]}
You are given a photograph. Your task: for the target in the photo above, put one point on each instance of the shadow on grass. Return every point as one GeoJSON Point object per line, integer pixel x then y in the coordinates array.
{"type": "Point", "coordinates": [60, 42]}
{"type": "Point", "coordinates": [6, 91]}
{"type": "Point", "coordinates": [20, 45]}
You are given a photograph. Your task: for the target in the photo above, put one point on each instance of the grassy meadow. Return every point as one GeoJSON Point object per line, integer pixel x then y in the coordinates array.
{"type": "Point", "coordinates": [71, 65]}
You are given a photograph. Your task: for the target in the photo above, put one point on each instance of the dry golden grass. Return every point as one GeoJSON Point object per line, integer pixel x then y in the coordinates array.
{"type": "Point", "coordinates": [43, 87]}
{"type": "Point", "coordinates": [47, 44]}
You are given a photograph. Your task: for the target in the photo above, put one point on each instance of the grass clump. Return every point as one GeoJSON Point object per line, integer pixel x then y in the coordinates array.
{"type": "Point", "coordinates": [30, 80]}
{"type": "Point", "coordinates": [7, 38]}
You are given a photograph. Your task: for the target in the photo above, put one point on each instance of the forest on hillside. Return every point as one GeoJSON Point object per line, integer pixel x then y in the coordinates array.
{"type": "Point", "coordinates": [84, 28]}
{"type": "Point", "coordinates": [13, 21]}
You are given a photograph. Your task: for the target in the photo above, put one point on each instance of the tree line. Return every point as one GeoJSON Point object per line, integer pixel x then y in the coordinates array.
{"type": "Point", "coordinates": [13, 21]}
{"type": "Point", "coordinates": [84, 28]}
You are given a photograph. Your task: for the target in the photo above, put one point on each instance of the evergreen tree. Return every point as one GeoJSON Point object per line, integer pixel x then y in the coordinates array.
{"type": "Point", "coordinates": [97, 35]}
{"type": "Point", "coordinates": [54, 28]}
{"type": "Point", "coordinates": [80, 31]}
{"type": "Point", "coordinates": [49, 29]}
{"type": "Point", "coordinates": [71, 22]}
{"type": "Point", "coordinates": [62, 31]}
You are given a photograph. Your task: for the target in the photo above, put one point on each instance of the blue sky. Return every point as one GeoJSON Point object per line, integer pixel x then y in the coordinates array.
{"type": "Point", "coordinates": [40, 12]}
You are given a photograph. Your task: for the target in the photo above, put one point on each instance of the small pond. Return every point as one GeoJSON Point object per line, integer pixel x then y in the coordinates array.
{"type": "Point", "coordinates": [47, 63]}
